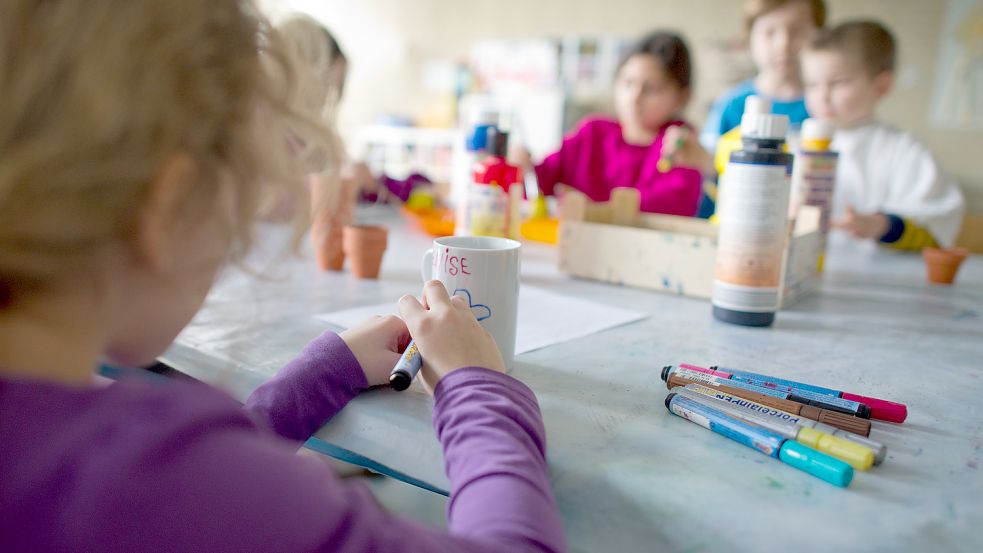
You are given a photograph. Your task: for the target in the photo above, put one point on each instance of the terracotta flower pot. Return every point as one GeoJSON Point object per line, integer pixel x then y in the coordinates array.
{"type": "Point", "coordinates": [332, 207]}
{"type": "Point", "coordinates": [942, 265]}
{"type": "Point", "coordinates": [364, 246]}
{"type": "Point", "coordinates": [328, 248]}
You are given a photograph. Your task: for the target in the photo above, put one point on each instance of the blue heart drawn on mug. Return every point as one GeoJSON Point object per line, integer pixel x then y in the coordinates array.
{"type": "Point", "coordinates": [476, 308]}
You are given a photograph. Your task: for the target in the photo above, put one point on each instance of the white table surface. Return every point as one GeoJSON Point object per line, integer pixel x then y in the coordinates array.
{"type": "Point", "coordinates": [628, 475]}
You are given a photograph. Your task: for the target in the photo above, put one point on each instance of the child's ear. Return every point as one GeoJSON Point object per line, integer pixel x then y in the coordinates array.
{"type": "Point", "coordinates": [156, 228]}
{"type": "Point", "coordinates": [883, 83]}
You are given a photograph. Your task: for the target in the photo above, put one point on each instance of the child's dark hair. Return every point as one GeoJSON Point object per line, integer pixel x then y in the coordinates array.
{"type": "Point", "coordinates": [869, 40]}
{"type": "Point", "coordinates": [671, 51]}
{"type": "Point", "coordinates": [753, 9]}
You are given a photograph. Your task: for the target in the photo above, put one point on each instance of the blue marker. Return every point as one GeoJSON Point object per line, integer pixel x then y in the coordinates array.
{"type": "Point", "coordinates": [804, 397]}
{"type": "Point", "coordinates": [406, 368]}
{"type": "Point", "coordinates": [778, 383]}
{"type": "Point", "coordinates": [790, 452]}
{"type": "Point", "coordinates": [879, 408]}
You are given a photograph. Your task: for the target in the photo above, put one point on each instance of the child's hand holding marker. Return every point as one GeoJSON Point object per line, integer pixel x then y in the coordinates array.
{"type": "Point", "coordinates": [680, 148]}
{"type": "Point", "coordinates": [447, 334]}
{"type": "Point", "coordinates": [376, 344]}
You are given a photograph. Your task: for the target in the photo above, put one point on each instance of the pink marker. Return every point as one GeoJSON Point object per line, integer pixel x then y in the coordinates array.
{"type": "Point", "coordinates": [879, 408]}
{"type": "Point", "coordinates": [704, 370]}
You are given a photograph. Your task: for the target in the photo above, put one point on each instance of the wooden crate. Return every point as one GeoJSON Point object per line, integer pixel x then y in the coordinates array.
{"type": "Point", "coordinates": [613, 242]}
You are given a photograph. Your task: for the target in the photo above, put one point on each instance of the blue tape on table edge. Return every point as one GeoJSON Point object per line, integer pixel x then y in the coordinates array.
{"type": "Point", "coordinates": [347, 456]}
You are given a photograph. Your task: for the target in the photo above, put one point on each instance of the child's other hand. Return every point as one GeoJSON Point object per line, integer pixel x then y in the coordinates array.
{"type": "Point", "coordinates": [520, 157]}
{"type": "Point", "coordinates": [447, 333]}
{"type": "Point", "coordinates": [872, 226]}
{"type": "Point", "coordinates": [377, 344]}
{"type": "Point", "coordinates": [682, 148]}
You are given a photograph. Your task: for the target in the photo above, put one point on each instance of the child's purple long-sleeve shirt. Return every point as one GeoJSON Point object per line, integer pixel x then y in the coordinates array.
{"type": "Point", "coordinates": [596, 159]}
{"type": "Point", "coordinates": [138, 467]}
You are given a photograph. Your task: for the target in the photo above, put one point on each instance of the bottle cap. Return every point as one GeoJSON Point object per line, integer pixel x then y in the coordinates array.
{"type": "Point", "coordinates": [759, 122]}
{"type": "Point", "coordinates": [817, 134]}
{"type": "Point", "coordinates": [817, 129]}
{"type": "Point", "coordinates": [498, 142]}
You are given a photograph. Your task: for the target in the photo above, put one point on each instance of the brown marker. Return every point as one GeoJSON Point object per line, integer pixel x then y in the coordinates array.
{"type": "Point", "coordinates": [832, 418]}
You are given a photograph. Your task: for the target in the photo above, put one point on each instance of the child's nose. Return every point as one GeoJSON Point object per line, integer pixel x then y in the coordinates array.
{"type": "Point", "coordinates": [783, 41]}
{"type": "Point", "coordinates": [826, 95]}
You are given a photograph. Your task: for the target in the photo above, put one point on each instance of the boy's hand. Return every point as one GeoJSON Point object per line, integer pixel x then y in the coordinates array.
{"type": "Point", "coordinates": [448, 335]}
{"type": "Point", "coordinates": [377, 344]}
{"type": "Point", "coordinates": [872, 226]}
{"type": "Point", "coordinates": [681, 148]}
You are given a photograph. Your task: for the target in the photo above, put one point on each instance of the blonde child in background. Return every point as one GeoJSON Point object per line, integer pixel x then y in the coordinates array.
{"type": "Point", "coordinates": [776, 30]}
{"type": "Point", "coordinates": [137, 140]}
{"type": "Point", "coordinates": [889, 186]}
{"type": "Point", "coordinates": [317, 67]}
{"type": "Point", "coordinates": [651, 91]}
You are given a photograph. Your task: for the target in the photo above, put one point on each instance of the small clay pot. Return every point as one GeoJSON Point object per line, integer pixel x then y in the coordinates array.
{"type": "Point", "coordinates": [942, 265]}
{"type": "Point", "coordinates": [332, 207]}
{"type": "Point", "coordinates": [364, 246]}
{"type": "Point", "coordinates": [328, 248]}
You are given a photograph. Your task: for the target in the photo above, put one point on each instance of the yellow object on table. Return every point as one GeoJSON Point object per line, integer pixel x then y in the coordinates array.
{"type": "Point", "coordinates": [541, 229]}
{"type": "Point", "coordinates": [436, 222]}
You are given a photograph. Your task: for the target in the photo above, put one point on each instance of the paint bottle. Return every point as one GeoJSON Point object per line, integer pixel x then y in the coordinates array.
{"type": "Point", "coordinates": [753, 214]}
{"type": "Point", "coordinates": [475, 144]}
{"type": "Point", "coordinates": [496, 193]}
{"type": "Point", "coordinates": [814, 176]}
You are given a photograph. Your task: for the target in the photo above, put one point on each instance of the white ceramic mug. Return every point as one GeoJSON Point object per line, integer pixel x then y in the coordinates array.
{"type": "Point", "coordinates": [485, 271]}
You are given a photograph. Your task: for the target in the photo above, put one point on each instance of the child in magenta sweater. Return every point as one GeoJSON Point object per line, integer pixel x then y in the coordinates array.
{"type": "Point", "coordinates": [651, 90]}
{"type": "Point", "coordinates": [137, 138]}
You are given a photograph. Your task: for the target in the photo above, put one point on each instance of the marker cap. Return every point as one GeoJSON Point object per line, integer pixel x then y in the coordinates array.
{"type": "Point", "coordinates": [816, 463]}
{"type": "Point", "coordinates": [705, 370]}
{"type": "Point", "coordinates": [839, 420]}
{"type": "Point", "coordinates": [400, 381]}
{"type": "Point", "coordinates": [881, 409]}
{"type": "Point", "coordinates": [856, 455]}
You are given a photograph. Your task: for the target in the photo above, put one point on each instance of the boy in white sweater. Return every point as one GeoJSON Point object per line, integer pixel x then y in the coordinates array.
{"type": "Point", "coordinates": [889, 186]}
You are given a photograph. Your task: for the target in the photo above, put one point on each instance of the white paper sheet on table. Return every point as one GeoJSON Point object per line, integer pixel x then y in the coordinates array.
{"type": "Point", "coordinates": [545, 318]}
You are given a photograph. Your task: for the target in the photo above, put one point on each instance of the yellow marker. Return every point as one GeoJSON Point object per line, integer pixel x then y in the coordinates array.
{"type": "Point", "coordinates": [855, 455]}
